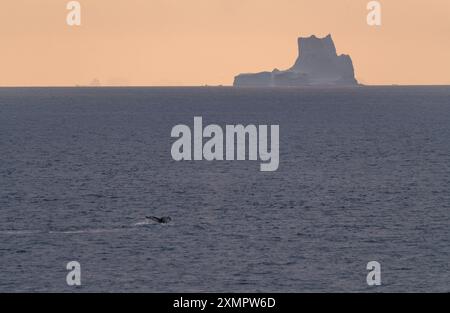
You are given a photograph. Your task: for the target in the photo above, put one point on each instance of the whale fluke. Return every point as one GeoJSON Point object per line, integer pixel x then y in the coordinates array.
{"type": "Point", "coordinates": [160, 220]}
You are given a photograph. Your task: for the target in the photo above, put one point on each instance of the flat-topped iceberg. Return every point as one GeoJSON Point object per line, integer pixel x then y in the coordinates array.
{"type": "Point", "coordinates": [317, 65]}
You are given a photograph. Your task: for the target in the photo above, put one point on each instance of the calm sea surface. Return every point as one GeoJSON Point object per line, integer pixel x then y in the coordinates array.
{"type": "Point", "coordinates": [364, 176]}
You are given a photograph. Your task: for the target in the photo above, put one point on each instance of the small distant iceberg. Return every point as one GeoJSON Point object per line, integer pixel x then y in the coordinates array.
{"type": "Point", "coordinates": [318, 64]}
{"type": "Point", "coordinates": [95, 83]}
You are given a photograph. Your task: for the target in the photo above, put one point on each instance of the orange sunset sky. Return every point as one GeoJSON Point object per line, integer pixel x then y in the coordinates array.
{"type": "Point", "coordinates": [197, 42]}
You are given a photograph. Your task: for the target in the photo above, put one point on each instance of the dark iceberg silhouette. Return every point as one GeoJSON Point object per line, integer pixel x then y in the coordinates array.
{"type": "Point", "coordinates": [317, 65]}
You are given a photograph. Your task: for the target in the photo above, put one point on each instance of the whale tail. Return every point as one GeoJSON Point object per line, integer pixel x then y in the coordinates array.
{"type": "Point", "coordinates": [162, 220]}
{"type": "Point", "coordinates": [153, 218]}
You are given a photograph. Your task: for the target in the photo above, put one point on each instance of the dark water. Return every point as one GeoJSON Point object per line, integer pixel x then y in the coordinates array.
{"type": "Point", "coordinates": [364, 176]}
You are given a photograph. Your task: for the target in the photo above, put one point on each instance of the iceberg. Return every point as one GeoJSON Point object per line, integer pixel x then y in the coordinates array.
{"type": "Point", "coordinates": [317, 64]}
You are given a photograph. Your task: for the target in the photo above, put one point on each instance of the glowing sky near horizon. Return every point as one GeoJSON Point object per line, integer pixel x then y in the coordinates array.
{"type": "Point", "coordinates": [197, 42]}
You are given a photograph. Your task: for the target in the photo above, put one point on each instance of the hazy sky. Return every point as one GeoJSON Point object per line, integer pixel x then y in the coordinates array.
{"type": "Point", "coordinates": [196, 42]}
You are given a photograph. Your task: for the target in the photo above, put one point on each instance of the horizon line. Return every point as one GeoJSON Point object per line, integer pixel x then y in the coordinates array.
{"type": "Point", "coordinates": [224, 86]}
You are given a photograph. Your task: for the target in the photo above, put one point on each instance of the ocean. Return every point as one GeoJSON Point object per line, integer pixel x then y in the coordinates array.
{"type": "Point", "coordinates": [364, 175]}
